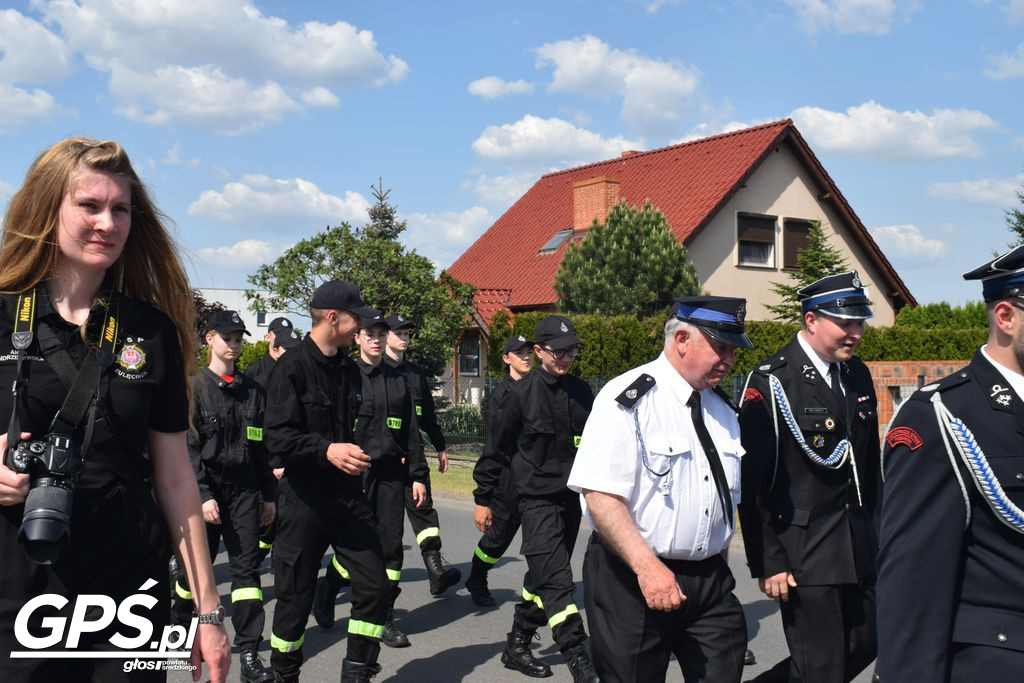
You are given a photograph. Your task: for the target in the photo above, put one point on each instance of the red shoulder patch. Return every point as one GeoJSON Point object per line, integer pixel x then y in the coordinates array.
{"type": "Point", "coordinates": [904, 436]}
{"type": "Point", "coordinates": [752, 394]}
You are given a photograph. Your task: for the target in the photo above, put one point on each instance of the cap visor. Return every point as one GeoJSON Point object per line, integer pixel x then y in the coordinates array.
{"type": "Point", "coordinates": [232, 328]}
{"type": "Point", "coordinates": [563, 342]}
{"type": "Point", "coordinates": [854, 312]}
{"type": "Point", "coordinates": [737, 339]}
{"type": "Point", "coordinates": [363, 312]}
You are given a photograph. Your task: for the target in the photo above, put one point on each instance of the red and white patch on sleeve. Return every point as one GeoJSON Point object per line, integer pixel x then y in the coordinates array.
{"type": "Point", "coordinates": [904, 436]}
{"type": "Point", "coordinates": [752, 394]}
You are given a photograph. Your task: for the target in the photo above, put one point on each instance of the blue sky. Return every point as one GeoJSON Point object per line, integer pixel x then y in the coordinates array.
{"type": "Point", "coordinates": [257, 123]}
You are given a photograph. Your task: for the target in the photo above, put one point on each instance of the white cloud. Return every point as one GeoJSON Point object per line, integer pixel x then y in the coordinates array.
{"type": "Point", "coordinates": [655, 94]}
{"type": "Point", "coordinates": [871, 130]}
{"type": "Point", "coordinates": [244, 254]}
{"type": "Point", "coordinates": [1000, 192]}
{"type": "Point", "coordinates": [533, 139]}
{"type": "Point", "coordinates": [443, 236]}
{"type": "Point", "coordinates": [29, 52]}
{"type": "Point", "coordinates": [502, 191]}
{"type": "Point", "coordinates": [655, 5]}
{"type": "Point", "coordinates": [491, 87]}
{"type": "Point", "coordinates": [704, 130]}
{"type": "Point", "coordinates": [279, 205]}
{"type": "Point", "coordinates": [200, 50]}
{"type": "Point", "coordinates": [1006, 65]}
{"type": "Point", "coordinates": [851, 16]}
{"type": "Point", "coordinates": [320, 97]}
{"type": "Point", "coordinates": [909, 243]}
{"type": "Point", "coordinates": [1014, 11]}
{"type": "Point", "coordinates": [20, 107]}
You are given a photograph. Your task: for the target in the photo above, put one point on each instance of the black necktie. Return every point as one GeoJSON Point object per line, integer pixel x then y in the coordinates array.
{"type": "Point", "coordinates": [712, 454]}
{"type": "Point", "coordinates": [837, 388]}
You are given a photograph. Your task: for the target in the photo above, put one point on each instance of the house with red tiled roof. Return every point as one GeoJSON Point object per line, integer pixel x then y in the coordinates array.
{"type": "Point", "coordinates": [741, 202]}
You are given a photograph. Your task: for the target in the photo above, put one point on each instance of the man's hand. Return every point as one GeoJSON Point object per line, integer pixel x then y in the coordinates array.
{"type": "Point", "coordinates": [660, 588]}
{"type": "Point", "coordinates": [419, 493]}
{"type": "Point", "coordinates": [13, 486]}
{"type": "Point", "coordinates": [211, 512]}
{"type": "Point", "coordinates": [442, 461]}
{"type": "Point", "coordinates": [348, 457]}
{"type": "Point", "coordinates": [212, 647]}
{"type": "Point", "coordinates": [269, 512]}
{"type": "Point", "coordinates": [483, 518]}
{"type": "Point", "coordinates": [777, 587]}
{"type": "Point", "coordinates": [278, 472]}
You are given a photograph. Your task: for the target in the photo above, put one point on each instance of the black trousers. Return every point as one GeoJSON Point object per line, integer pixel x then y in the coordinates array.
{"type": "Point", "coordinates": [119, 542]}
{"type": "Point", "coordinates": [311, 520]}
{"type": "Point", "coordinates": [830, 631]}
{"type": "Point", "coordinates": [496, 540]}
{"type": "Point", "coordinates": [424, 521]}
{"type": "Point", "coordinates": [240, 507]}
{"type": "Point", "coordinates": [632, 643]}
{"type": "Point", "coordinates": [385, 490]}
{"type": "Point", "coordinates": [550, 526]}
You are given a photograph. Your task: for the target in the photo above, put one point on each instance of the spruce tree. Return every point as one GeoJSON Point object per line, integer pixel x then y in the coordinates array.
{"type": "Point", "coordinates": [1015, 220]}
{"type": "Point", "coordinates": [631, 264]}
{"type": "Point", "coordinates": [384, 223]}
{"type": "Point", "coordinates": [817, 260]}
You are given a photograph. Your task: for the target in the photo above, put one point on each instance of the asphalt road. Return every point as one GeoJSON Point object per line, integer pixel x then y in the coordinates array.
{"type": "Point", "coordinates": [453, 640]}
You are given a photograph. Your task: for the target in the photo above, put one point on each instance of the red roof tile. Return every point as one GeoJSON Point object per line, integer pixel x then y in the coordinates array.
{"type": "Point", "coordinates": [687, 182]}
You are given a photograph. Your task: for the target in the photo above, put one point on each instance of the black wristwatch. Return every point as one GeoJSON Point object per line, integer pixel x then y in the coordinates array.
{"type": "Point", "coordinates": [214, 617]}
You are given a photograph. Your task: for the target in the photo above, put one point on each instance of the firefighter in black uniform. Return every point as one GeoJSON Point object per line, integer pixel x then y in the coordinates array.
{"type": "Point", "coordinates": [540, 427]}
{"type": "Point", "coordinates": [387, 432]}
{"type": "Point", "coordinates": [951, 563]}
{"type": "Point", "coordinates": [313, 399]}
{"type": "Point", "coordinates": [423, 519]}
{"type": "Point", "coordinates": [810, 485]}
{"type": "Point", "coordinates": [496, 515]}
{"type": "Point", "coordinates": [280, 337]}
{"type": "Point", "coordinates": [235, 483]}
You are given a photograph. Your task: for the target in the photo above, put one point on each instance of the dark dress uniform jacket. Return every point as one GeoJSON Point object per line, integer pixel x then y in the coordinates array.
{"type": "Point", "coordinates": [540, 427]}
{"type": "Point", "coordinates": [808, 520]}
{"type": "Point", "coordinates": [312, 402]}
{"type": "Point", "coordinates": [422, 398]}
{"type": "Point", "coordinates": [945, 584]}
{"type": "Point", "coordinates": [227, 445]}
{"type": "Point", "coordinates": [493, 481]}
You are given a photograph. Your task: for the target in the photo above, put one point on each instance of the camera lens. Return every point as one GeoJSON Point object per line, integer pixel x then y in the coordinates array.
{"type": "Point", "coordinates": [45, 525]}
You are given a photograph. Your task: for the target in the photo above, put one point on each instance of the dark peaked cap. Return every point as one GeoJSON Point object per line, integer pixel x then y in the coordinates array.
{"type": "Point", "coordinates": [720, 317]}
{"type": "Point", "coordinates": [841, 295]}
{"type": "Point", "coordinates": [1002, 277]}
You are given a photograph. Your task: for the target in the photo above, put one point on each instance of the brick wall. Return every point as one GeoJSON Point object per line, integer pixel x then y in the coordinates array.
{"type": "Point", "coordinates": [593, 198]}
{"type": "Point", "coordinates": [895, 381]}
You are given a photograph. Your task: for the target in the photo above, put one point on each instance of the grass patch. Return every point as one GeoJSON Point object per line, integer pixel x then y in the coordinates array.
{"type": "Point", "coordinates": [457, 481]}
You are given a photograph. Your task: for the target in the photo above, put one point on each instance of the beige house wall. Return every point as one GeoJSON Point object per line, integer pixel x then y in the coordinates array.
{"type": "Point", "coordinates": [779, 187]}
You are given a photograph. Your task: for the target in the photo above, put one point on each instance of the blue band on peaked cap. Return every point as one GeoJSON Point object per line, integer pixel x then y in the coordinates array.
{"type": "Point", "coordinates": [697, 314]}
{"type": "Point", "coordinates": [846, 297]}
{"type": "Point", "coordinates": [1002, 287]}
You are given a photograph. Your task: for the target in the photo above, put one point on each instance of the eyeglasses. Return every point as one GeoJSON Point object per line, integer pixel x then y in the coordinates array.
{"type": "Point", "coordinates": [570, 352]}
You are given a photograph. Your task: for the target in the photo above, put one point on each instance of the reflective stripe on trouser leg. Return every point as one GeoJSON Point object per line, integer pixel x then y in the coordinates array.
{"type": "Point", "coordinates": [394, 575]}
{"type": "Point", "coordinates": [365, 628]}
{"type": "Point", "coordinates": [253, 593]}
{"type": "Point", "coordinates": [181, 591]}
{"type": "Point", "coordinates": [484, 557]}
{"type": "Point", "coordinates": [282, 645]}
{"type": "Point", "coordinates": [429, 532]}
{"type": "Point", "coordinates": [340, 569]}
{"type": "Point", "coordinates": [557, 619]}
{"type": "Point", "coordinates": [265, 546]}
{"type": "Point", "coordinates": [531, 597]}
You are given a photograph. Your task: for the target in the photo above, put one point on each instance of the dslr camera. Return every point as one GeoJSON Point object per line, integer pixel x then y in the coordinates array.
{"type": "Point", "coordinates": [52, 465]}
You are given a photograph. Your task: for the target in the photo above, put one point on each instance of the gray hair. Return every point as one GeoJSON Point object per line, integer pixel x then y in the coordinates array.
{"type": "Point", "coordinates": [672, 325]}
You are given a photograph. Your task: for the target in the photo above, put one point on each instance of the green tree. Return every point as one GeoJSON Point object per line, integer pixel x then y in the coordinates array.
{"type": "Point", "coordinates": [817, 260]}
{"type": "Point", "coordinates": [942, 316]}
{"type": "Point", "coordinates": [391, 279]}
{"type": "Point", "coordinates": [631, 264]}
{"type": "Point", "coordinates": [1015, 219]}
{"type": "Point", "coordinates": [204, 311]}
{"type": "Point", "coordinates": [384, 223]}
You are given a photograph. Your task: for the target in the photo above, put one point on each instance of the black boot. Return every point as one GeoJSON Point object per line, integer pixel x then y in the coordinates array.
{"type": "Point", "coordinates": [357, 672]}
{"type": "Point", "coordinates": [517, 654]}
{"type": "Point", "coordinates": [442, 575]}
{"type": "Point", "coordinates": [391, 636]}
{"type": "Point", "coordinates": [476, 584]}
{"type": "Point", "coordinates": [253, 670]}
{"type": "Point", "coordinates": [323, 601]}
{"type": "Point", "coordinates": [749, 659]}
{"type": "Point", "coordinates": [580, 665]}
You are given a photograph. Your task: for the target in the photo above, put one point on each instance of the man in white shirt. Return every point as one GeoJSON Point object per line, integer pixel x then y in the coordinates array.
{"type": "Point", "coordinates": [659, 472]}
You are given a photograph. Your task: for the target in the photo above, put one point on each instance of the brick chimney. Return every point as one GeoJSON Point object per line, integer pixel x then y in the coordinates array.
{"type": "Point", "coordinates": [593, 198]}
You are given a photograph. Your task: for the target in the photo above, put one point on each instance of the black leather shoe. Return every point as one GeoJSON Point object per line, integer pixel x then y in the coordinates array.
{"type": "Point", "coordinates": [517, 655]}
{"type": "Point", "coordinates": [580, 665]}
{"type": "Point", "coordinates": [441, 574]}
{"type": "Point", "coordinates": [391, 636]}
{"type": "Point", "coordinates": [749, 659]}
{"type": "Point", "coordinates": [323, 603]}
{"type": "Point", "coordinates": [476, 584]}
{"type": "Point", "coordinates": [253, 670]}
{"type": "Point", "coordinates": [357, 672]}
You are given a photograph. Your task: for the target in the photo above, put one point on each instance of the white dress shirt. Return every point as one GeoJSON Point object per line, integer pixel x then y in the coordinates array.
{"type": "Point", "coordinates": [679, 515]}
{"type": "Point", "coordinates": [1014, 379]}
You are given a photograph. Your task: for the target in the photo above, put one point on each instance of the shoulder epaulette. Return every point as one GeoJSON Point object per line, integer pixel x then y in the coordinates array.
{"type": "Point", "coordinates": [632, 394]}
{"type": "Point", "coordinates": [724, 395]}
{"type": "Point", "coordinates": [771, 364]}
{"type": "Point", "coordinates": [944, 384]}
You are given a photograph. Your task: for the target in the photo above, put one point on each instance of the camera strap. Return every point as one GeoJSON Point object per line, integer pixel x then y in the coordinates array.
{"type": "Point", "coordinates": [81, 383]}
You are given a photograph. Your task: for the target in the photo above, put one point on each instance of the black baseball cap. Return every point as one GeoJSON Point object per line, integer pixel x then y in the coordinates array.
{"type": "Point", "coordinates": [514, 343]}
{"type": "Point", "coordinates": [226, 322]}
{"type": "Point", "coordinates": [720, 317]}
{"type": "Point", "coordinates": [278, 325]}
{"type": "Point", "coordinates": [556, 332]}
{"type": "Point", "coordinates": [287, 339]}
{"type": "Point", "coordinates": [397, 322]}
{"type": "Point", "coordinates": [372, 318]}
{"type": "Point", "coordinates": [342, 295]}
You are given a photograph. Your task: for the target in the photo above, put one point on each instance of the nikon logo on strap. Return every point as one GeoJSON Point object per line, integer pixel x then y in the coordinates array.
{"type": "Point", "coordinates": [25, 311]}
{"type": "Point", "coordinates": [110, 331]}
{"type": "Point", "coordinates": [394, 423]}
